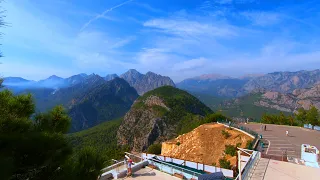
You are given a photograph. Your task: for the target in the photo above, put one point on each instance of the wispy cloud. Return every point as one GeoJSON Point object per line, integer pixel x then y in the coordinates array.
{"type": "Point", "coordinates": [103, 14]}
{"type": "Point", "coordinates": [262, 18]}
{"type": "Point", "coordinates": [184, 27]}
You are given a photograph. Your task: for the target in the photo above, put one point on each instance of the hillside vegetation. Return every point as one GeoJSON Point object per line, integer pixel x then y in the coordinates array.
{"type": "Point", "coordinates": [159, 115]}
{"type": "Point", "coordinates": [245, 107]}
{"type": "Point", "coordinates": [102, 138]}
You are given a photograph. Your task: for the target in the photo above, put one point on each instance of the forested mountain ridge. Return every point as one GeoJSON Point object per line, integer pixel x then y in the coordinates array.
{"type": "Point", "coordinates": [105, 102]}
{"type": "Point", "coordinates": [159, 115]}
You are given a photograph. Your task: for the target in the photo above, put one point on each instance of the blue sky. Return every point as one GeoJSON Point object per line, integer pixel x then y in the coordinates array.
{"type": "Point", "coordinates": [177, 38]}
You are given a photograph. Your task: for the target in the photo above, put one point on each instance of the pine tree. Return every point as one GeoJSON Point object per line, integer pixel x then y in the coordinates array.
{"type": "Point", "coordinates": [313, 116]}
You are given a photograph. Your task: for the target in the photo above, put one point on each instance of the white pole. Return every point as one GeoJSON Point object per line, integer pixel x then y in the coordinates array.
{"type": "Point", "coordinates": [239, 164]}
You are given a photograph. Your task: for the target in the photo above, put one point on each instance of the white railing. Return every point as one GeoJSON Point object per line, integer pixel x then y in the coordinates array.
{"type": "Point", "coordinates": [115, 167]}
{"type": "Point", "coordinates": [190, 164]}
{"type": "Point", "coordinates": [248, 169]}
{"type": "Point", "coordinates": [173, 169]}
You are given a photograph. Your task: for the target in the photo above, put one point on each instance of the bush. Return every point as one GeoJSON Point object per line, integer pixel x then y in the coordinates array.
{"type": "Point", "coordinates": [249, 144]}
{"type": "Point", "coordinates": [224, 163]}
{"type": "Point", "coordinates": [154, 149]}
{"type": "Point", "coordinates": [226, 134]}
{"type": "Point", "coordinates": [231, 150]}
{"type": "Point", "coordinates": [178, 143]}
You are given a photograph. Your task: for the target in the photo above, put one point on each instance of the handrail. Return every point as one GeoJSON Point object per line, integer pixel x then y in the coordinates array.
{"type": "Point", "coordinates": [111, 167]}
{"type": "Point", "coordinates": [163, 162]}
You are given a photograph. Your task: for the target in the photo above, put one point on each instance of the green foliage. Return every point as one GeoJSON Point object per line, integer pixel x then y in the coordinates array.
{"type": "Point", "coordinates": [26, 151]}
{"type": "Point", "coordinates": [225, 133]}
{"type": "Point", "coordinates": [313, 116]}
{"type": "Point", "coordinates": [231, 150]}
{"type": "Point", "coordinates": [154, 149]}
{"type": "Point", "coordinates": [38, 149]}
{"type": "Point", "coordinates": [103, 138]}
{"type": "Point", "coordinates": [249, 144]}
{"type": "Point", "coordinates": [85, 165]}
{"type": "Point", "coordinates": [245, 107]}
{"type": "Point", "coordinates": [212, 102]}
{"type": "Point", "coordinates": [280, 119]}
{"type": "Point", "coordinates": [224, 163]}
{"type": "Point", "coordinates": [56, 120]}
{"type": "Point", "coordinates": [161, 111]}
{"type": "Point", "coordinates": [186, 112]}
{"type": "Point", "coordinates": [303, 116]}
{"type": "Point", "coordinates": [178, 143]}
{"type": "Point", "coordinates": [214, 117]}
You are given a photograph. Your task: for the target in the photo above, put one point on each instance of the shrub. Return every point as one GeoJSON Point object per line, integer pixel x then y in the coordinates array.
{"type": "Point", "coordinates": [238, 144]}
{"type": "Point", "coordinates": [224, 163]}
{"type": "Point", "coordinates": [154, 149]}
{"type": "Point", "coordinates": [226, 134]}
{"type": "Point", "coordinates": [231, 150]}
{"type": "Point", "coordinates": [178, 143]}
{"type": "Point", "coordinates": [249, 144]}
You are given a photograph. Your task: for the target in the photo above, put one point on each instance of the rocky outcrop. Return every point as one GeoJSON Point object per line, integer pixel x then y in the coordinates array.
{"type": "Point", "coordinates": [284, 82]}
{"type": "Point", "coordinates": [155, 101]}
{"type": "Point", "coordinates": [300, 98]}
{"type": "Point", "coordinates": [141, 128]}
{"type": "Point", "coordinates": [146, 82]}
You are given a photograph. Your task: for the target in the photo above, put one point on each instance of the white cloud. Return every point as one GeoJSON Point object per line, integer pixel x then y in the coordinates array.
{"type": "Point", "coordinates": [102, 15]}
{"type": "Point", "coordinates": [185, 28]}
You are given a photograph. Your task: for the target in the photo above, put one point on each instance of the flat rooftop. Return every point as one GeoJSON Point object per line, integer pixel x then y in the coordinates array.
{"type": "Point", "coordinates": [269, 169]}
{"type": "Point", "coordinates": [148, 173]}
{"type": "Point", "coordinates": [278, 141]}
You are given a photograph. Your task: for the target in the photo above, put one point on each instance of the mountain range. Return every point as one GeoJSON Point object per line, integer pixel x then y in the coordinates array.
{"type": "Point", "coordinates": [89, 99]}
{"type": "Point", "coordinates": [224, 86]}
{"type": "Point", "coordinates": [141, 82]}
{"type": "Point", "coordinates": [92, 99]}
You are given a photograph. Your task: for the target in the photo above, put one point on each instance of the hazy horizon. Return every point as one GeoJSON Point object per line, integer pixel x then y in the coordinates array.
{"type": "Point", "coordinates": [180, 39]}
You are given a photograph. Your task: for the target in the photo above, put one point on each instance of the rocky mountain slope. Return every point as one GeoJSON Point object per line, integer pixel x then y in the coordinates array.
{"type": "Point", "coordinates": [263, 101]}
{"type": "Point", "coordinates": [300, 98]}
{"type": "Point", "coordinates": [146, 82]}
{"type": "Point", "coordinates": [107, 101]}
{"type": "Point", "coordinates": [159, 115]}
{"type": "Point", "coordinates": [91, 101]}
{"type": "Point", "coordinates": [284, 82]}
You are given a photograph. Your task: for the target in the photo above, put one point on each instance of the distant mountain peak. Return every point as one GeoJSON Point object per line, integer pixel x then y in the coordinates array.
{"type": "Point", "coordinates": [145, 82]}
{"type": "Point", "coordinates": [54, 77]}
{"type": "Point", "coordinates": [211, 77]}
{"type": "Point", "coordinates": [110, 77]}
{"type": "Point", "coordinates": [83, 74]}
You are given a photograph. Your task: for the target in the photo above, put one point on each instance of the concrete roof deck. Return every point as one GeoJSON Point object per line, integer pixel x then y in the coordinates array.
{"type": "Point", "coordinates": [269, 169]}
{"type": "Point", "coordinates": [278, 141]}
{"type": "Point", "coordinates": [148, 173]}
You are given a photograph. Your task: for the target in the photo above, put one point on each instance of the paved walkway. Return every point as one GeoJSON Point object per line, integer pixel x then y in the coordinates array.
{"type": "Point", "coordinates": [279, 142]}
